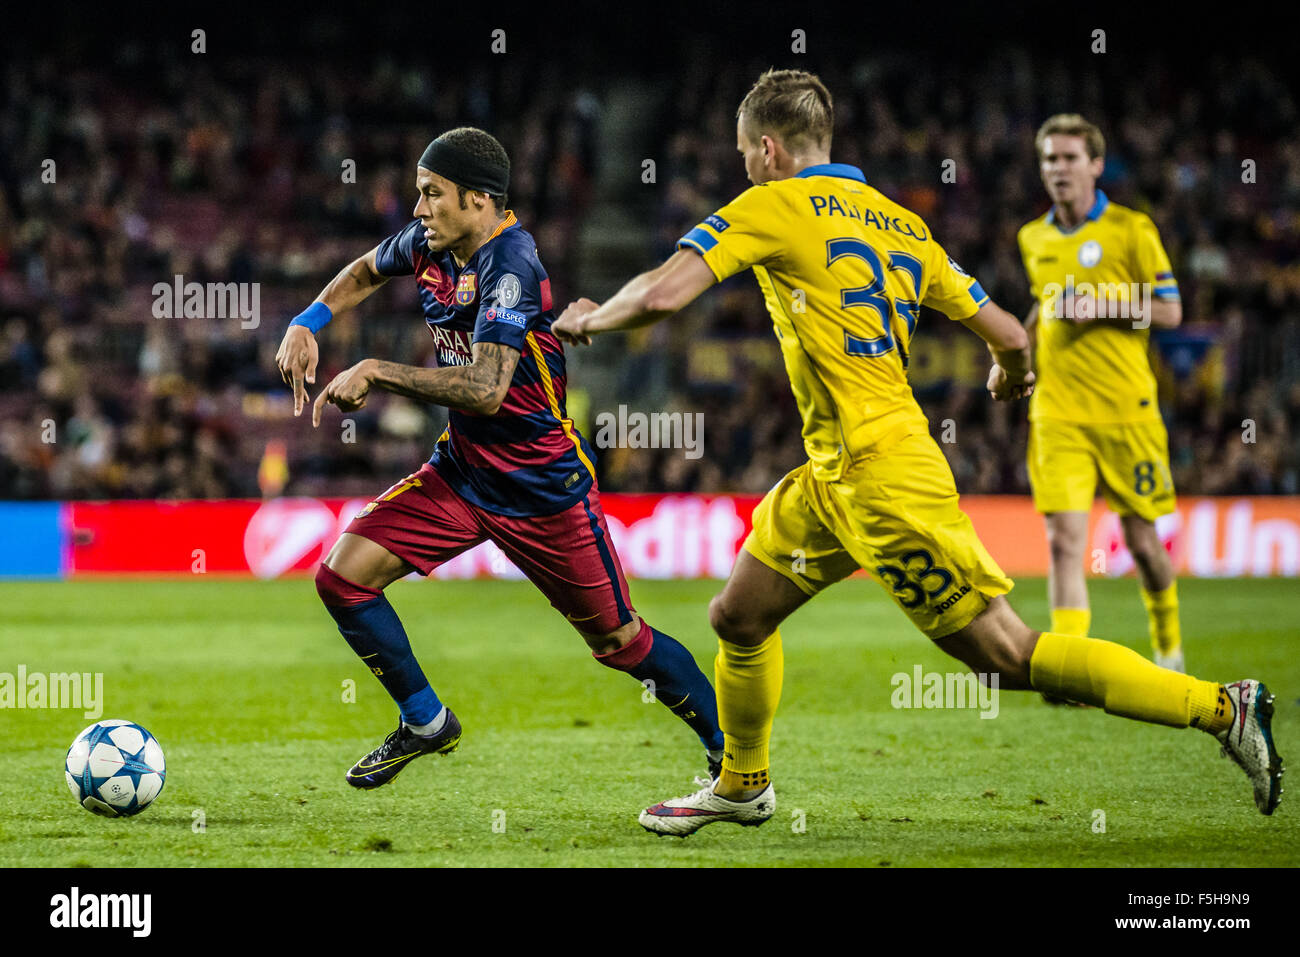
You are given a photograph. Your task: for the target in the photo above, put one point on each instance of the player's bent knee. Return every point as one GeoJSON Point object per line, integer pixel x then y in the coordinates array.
{"type": "Point", "coordinates": [365, 563]}
{"type": "Point", "coordinates": [1066, 538]}
{"type": "Point", "coordinates": [1143, 543]}
{"type": "Point", "coordinates": [1065, 547]}
{"type": "Point", "coordinates": [619, 638]}
{"type": "Point", "coordinates": [737, 628]}
{"type": "Point", "coordinates": [337, 591]}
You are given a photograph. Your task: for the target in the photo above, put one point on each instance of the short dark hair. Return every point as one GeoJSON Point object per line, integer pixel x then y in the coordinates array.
{"type": "Point", "coordinates": [482, 146]}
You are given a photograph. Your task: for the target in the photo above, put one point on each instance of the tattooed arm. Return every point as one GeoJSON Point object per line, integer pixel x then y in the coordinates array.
{"type": "Point", "coordinates": [479, 387]}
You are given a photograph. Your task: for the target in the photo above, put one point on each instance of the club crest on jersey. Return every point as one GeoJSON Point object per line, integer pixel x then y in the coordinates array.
{"type": "Point", "coordinates": [1090, 253]}
{"type": "Point", "coordinates": [466, 289]}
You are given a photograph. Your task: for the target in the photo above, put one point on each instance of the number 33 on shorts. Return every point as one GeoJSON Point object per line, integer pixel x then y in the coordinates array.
{"type": "Point", "coordinates": [926, 591]}
{"type": "Point", "coordinates": [916, 580]}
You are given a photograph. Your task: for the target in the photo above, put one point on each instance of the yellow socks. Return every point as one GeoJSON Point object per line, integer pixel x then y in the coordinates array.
{"type": "Point", "coordinates": [1110, 676]}
{"type": "Point", "coordinates": [1162, 618]}
{"type": "Point", "coordinates": [748, 682]}
{"type": "Point", "coordinates": [1210, 707]}
{"type": "Point", "coordinates": [1071, 621]}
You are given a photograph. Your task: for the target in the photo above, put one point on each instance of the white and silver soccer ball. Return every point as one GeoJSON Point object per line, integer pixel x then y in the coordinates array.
{"type": "Point", "coordinates": [115, 768]}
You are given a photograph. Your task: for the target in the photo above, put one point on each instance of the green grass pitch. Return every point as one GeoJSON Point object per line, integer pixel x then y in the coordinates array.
{"type": "Point", "coordinates": [243, 683]}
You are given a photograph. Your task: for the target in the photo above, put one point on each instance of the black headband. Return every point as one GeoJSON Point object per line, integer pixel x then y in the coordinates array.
{"type": "Point", "coordinates": [465, 169]}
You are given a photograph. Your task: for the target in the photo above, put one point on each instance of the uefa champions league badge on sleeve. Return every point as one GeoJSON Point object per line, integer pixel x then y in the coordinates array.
{"type": "Point", "coordinates": [466, 289]}
{"type": "Point", "coordinates": [508, 291]}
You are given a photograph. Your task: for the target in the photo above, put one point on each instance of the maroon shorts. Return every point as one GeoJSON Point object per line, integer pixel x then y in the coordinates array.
{"type": "Point", "coordinates": [567, 555]}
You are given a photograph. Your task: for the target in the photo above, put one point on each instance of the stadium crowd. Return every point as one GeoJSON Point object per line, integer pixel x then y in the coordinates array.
{"type": "Point", "coordinates": [210, 173]}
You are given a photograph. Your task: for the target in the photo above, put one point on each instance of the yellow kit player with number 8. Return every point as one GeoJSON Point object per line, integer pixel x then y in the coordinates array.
{"type": "Point", "coordinates": [876, 491]}
{"type": "Point", "coordinates": [1101, 281]}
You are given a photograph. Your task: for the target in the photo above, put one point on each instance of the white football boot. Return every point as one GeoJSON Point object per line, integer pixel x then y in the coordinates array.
{"type": "Point", "coordinates": [1173, 661]}
{"type": "Point", "coordinates": [1249, 741]}
{"type": "Point", "coordinates": [686, 815]}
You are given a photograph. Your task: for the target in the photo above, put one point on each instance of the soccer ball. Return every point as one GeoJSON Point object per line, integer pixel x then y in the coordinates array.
{"type": "Point", "coordinates": [115, 768]}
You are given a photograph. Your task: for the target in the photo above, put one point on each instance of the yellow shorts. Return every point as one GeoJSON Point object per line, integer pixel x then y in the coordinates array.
{"type": "Point", "coordinates": [894, 514]}
{"type": "Point", "coordinates": [1132, 460]}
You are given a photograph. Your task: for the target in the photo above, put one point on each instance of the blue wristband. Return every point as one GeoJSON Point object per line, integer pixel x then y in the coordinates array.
{"type": "Point", "coordinates": [315, 317]}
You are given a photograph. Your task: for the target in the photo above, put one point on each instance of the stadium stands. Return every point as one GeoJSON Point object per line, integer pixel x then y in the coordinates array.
{"type": "Point", "coordinates": [217, 175]}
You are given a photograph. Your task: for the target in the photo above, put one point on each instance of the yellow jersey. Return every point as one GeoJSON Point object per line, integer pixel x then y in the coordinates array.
{"type": "Point", "coordinates": [1099, 372]}
{"type": "Point", "coordinates": [843, 271]}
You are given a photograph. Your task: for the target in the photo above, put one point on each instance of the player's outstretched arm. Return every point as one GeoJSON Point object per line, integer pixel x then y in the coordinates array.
{"type": "Point", "coordinates": [1011, 376]}
{"type": "Point", "coordinates": [479, 387]}
{"type": "Point", "coordinates": [645, 300]}
{"type": "Point", "coordinates": [299, 352]}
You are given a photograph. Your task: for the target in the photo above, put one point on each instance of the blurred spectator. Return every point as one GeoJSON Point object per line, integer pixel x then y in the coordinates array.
{"type": "Point", "coordinates": [215, 175]}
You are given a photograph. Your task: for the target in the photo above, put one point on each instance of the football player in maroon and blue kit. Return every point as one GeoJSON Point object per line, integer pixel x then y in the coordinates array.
{"type": "Point", "coordinates": [510, 467]}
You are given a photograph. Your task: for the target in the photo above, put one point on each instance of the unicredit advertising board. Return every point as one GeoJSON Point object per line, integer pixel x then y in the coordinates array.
{"type": "Point", "coordinates": [657, 536]}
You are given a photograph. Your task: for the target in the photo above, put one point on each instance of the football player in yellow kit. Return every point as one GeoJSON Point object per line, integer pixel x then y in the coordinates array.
{"type": "Point", "coordinates": [1101, 281]}
{"type": "Point", "coordinates": [876, 491]}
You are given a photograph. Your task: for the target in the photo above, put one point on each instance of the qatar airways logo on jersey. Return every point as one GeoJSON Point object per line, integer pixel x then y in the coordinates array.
{"type": "Point", "coordinates": [455, 347]}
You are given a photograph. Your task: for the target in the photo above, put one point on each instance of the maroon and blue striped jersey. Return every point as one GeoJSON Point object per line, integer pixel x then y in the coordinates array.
{"type": "Point", "coordinates": [528, 458]}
